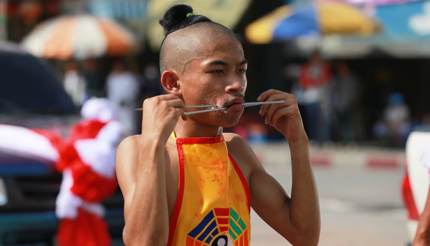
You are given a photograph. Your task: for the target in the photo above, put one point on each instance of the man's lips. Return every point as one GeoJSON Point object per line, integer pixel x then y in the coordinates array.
{"type": "Point", "coordinates": [233, 102]}
{"type": "Point", "coordinates": [234, 105]}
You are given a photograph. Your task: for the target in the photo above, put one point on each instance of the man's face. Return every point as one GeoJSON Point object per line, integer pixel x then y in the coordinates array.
{"type": "Point", "coordinates": [217, 77]}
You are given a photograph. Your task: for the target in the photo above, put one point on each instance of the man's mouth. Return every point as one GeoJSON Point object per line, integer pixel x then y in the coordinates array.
{"type": "Point", "coordinates": [230, 103]}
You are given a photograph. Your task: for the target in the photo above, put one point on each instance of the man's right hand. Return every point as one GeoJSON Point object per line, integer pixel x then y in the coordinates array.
{"type": "Point", "coordinates": [159, 117]}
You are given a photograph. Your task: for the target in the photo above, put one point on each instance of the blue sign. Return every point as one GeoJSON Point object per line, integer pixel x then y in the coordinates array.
{"type": "Point", "coordinates": [405, 21]}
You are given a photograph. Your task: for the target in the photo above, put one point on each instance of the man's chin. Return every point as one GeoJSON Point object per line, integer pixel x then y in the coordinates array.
{"type": "Point", "coordinates": [231, 121]}
{"type": "Point", "coordinates": [221, 120]}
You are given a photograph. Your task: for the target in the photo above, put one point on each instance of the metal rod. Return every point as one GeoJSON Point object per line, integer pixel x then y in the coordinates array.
{"type": "Point", "coordinates": [200, 106]}
{"type": "Point", "coordinates": [213, 108]}
{"type": "Point", "coordinates": [203, 111]}
{"type": "Point", "coordinates": [250, 104]}
{"type": "Point", "coordinates": [191, 106]}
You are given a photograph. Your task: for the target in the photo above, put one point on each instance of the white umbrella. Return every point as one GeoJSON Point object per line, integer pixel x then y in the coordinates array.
{"type": "Point", "coordinates": [79, 36]}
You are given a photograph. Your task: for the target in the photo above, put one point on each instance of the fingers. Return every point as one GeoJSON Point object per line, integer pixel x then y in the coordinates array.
{"type": "Point", "coordinates": [268, 93]}
{"type": "Point", "coordinates": [168, 100]}
{"type": "Point", "coordinates": [174, 107]}
{"type": "Point", "coordinates": [268, 109]}
{"type": "Point", "coordinates": [176, 103]}
{"type": "Point", "coordinates": [160, 98]}
{"type": "Point", "coordinates": [264, 108]}
{"type": "Point", "coordinates": [282, 112]}
{"type": "Point", "coordinates": [273, 112]}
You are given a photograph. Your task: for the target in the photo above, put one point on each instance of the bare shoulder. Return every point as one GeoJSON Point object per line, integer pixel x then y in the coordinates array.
{"type": "Point", "coordinates": [241, 151]}
{"type": "Point", "coordinates": [126, 162]}
{"type": "Point", "coordinates": [127, 149]}
{"type": "Point", "coordinates": [128, 141]}
{"type": "Point", "coordinates": [235, 140]}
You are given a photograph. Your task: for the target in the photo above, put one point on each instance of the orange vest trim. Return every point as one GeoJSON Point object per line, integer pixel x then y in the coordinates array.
{"type": "Point", "coordinates": [243, 180]}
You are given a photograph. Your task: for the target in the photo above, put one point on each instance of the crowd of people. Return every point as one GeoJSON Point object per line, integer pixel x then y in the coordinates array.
{"type": "Point", "coordinates": [331, 98]}
{"type": "Point", "coordinates": [123, 87]}
{"type": "Point", "coordinates": [328, 95]}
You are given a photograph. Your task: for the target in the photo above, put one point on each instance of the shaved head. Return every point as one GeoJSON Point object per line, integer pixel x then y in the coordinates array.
{"type": "Point", "coordinates": [192, 42]}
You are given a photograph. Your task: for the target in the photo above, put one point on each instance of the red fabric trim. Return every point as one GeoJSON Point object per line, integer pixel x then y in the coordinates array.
{"type": "Point", "coordinates": [179, 197]}
{"type": "Point", "coordinates": [246, 238]}
{"type": "Point", "coordinates": [68, 156]}
{"type": "Point", "coordinates": [243, 179]}
{"type": "Point", "coordinates": [86, 129]}
{"type": "Point", "coordinates": [408, 198]}
{"type": "Point", "coordinates": [87, 230]}
{"type": "Point", "coordinates": [200, 140]}
{"type": "Point", "coordinates": [89, 185]}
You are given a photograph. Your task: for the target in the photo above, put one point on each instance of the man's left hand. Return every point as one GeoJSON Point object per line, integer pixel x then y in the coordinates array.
{"type": "Point", "coordinates": [284, 117]}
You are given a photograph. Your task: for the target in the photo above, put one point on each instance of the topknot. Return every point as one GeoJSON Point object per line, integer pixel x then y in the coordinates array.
{"type": "Point", "coordinates": [180, 16]}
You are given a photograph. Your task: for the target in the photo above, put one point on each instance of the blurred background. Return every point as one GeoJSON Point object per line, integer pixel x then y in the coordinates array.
{"type": "Point", "coordinates": [359, 69]}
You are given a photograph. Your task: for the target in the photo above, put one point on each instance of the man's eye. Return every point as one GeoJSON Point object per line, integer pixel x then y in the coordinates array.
{"type": "Point", "coordinates": [242, 70]}
{"type": "Point", "coordinates": [217, 71]}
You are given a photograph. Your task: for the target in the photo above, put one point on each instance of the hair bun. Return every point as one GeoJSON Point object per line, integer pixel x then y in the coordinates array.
{"type": "Point", "coordinates": [175, 17]}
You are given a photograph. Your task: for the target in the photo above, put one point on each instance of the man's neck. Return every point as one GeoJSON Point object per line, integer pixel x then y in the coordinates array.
{"type": "Point", "coordinates": [190, 128]}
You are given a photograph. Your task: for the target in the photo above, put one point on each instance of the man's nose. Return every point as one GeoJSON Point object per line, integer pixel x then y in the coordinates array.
{"type": "Point", "coordinates": [236, 86]}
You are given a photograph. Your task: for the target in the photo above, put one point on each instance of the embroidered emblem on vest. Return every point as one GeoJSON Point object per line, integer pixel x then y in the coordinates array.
{"type": "Point", "coordinates": [220, 227]}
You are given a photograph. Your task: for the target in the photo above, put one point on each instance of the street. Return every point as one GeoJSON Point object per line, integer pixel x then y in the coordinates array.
{"type": "Point", "coordinates": [359, 206]}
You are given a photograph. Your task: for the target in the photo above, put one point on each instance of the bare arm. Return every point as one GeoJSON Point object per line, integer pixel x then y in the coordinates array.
{"type": "Point", "coordinates": [141, 164]}
{"type": "Point", "coordinates": [304, 207]}
{"type": "Point", "coordinates": [145, 198]}
{"type": "Point", "coordinates": [296, 218]}
{"type": "Point", "coordinates": [422, 235]}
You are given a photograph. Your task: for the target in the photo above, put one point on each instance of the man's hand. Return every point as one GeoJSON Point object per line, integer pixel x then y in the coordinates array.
{"type": "Point", "coordinates": [160, 115]}
{"type": "Point", "coordinates": [284, 117]}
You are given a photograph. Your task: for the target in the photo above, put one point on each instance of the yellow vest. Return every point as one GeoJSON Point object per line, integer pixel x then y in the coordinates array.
{"type": "Point", "coordinates": [213, 201]}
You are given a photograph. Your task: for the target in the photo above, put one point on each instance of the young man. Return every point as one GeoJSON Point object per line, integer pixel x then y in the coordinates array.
{"type": "Point", "coordinates": [184, 181]}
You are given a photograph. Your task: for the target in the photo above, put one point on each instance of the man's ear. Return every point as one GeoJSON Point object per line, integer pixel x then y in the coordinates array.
{"type": "Point", "coordinates": [170, 82]}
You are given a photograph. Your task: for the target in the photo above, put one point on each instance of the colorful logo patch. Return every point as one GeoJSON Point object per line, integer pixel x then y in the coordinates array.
{"type": "Point", "coordinates": [220, 227]}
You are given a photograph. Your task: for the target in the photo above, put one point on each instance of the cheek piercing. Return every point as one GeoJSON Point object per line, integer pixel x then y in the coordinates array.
{"type": "Point", "coordinates": [212, 108]}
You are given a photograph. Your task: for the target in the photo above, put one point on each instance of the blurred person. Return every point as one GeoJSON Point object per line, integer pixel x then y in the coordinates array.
{"type": "Point", "coordinates": [87, 161]}
{"type": "Point", "coordinates": [395, 125]}
{"type": "Point", "coordinates": [257, 133]}
{"type": "Point", "coordinates": [182, 177]}
{"type": "Point", "coordinates": [123, 90]}
{"type": "Point", "coordinates": [314, 79]}
{"type": "Point", "coordinates": [292, 73]}
{"type": "Point", "coordinates": [93, 81]}
{"type": "Point", "coordinates": [344, 94]}
{"type": "Point", "coordinates": [74, 84]}
{"type": "Point", "coordinates": [151, 78]}
{"type": "Point", "coordinates": [425, 121]}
